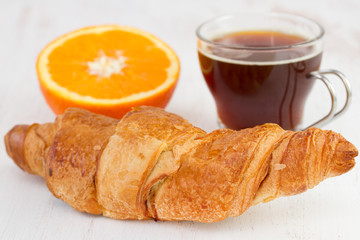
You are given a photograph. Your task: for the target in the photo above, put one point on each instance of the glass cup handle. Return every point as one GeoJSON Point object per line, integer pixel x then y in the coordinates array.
{"type": "Point", "coordinates": [320, 75]}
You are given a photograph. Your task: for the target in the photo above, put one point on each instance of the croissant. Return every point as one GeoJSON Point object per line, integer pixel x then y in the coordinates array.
{"type": "Point", "coordinates": [152, 164]}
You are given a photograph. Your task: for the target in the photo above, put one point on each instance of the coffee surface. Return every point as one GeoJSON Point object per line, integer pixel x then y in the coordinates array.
{"type": "Point", "coordinates": [259, 39]}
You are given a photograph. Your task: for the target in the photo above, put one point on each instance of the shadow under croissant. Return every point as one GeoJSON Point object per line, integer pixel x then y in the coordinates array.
{"type": "Point", "coordinates": [155, 164]}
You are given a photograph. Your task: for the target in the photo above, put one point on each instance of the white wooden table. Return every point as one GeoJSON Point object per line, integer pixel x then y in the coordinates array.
{"type": "Point", "coordinates": [29, 211]}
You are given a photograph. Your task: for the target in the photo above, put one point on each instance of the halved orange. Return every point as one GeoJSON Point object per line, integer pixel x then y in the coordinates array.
{"type": "Point", "coordinates": [107, 69]}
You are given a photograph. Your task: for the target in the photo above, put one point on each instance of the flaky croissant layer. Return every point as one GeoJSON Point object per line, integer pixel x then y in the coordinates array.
{"type": "Point", "coordinates": [154, 164]}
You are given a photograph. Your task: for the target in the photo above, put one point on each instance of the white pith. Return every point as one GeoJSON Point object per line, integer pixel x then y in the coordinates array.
{"type": "Point", "coordinates": [105, 66]}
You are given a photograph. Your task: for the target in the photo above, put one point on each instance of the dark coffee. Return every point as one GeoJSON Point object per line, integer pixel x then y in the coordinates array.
{"type": "Point", "coordinates": [259, 88]}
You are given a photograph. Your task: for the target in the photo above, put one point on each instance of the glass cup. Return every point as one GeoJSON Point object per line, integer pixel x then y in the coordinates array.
{"type": "Point", "coordinates": [260, 68]}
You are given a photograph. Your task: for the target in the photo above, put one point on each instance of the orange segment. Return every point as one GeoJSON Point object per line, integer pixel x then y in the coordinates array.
{"type": "Point", "coordinates": [107, 69]}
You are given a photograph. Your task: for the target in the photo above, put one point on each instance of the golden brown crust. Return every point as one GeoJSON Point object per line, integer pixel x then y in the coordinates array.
{"type": "Point", "coordinates": [301, 160]}
{"type": "Point", "coordinates": [38, 140]}
{"type": "Point", "coordinates": [218, 177]}
{"type": "Point", "coordinates": [71, 160]}
{"type": "Point", "coordinates": [154, 164]}
{"type": "Point", "coordinates": [123, 167]}
{"type": "Point", "coordinates": [14, 144]}
{"type": "Point", "coordinates": [258, 164]}
{"type": "Point", "coordinates": [133, 160]}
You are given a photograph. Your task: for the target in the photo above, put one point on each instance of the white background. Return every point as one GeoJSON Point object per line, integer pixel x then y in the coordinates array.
{"type": "Point", "coordinates": [29, 211]}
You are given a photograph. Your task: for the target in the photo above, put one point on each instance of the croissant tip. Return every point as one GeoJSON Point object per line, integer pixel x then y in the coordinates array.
{"type": "Point", "coordinates": [14, 144]}
{"type": "Point", "coordinates": [345, 155]}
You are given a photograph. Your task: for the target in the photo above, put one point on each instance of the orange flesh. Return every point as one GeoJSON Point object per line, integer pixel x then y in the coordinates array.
{"type": "Point", "coordinates": [145, 65]}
